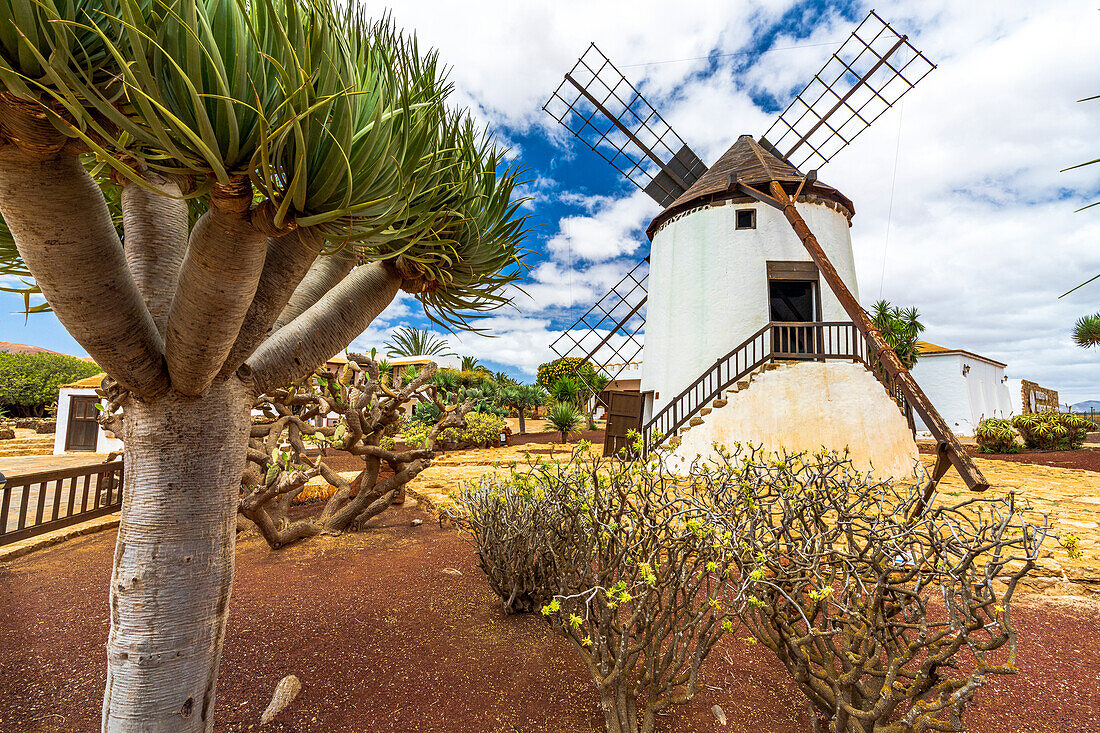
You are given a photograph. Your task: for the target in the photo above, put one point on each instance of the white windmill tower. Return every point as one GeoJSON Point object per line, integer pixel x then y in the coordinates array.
{"type": "Point", "coordinates": [752, 327]}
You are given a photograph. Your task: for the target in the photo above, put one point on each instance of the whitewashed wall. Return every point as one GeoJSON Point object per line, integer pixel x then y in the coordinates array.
{"type": "Point", "coordinates": [708, 286]}
{"type": "Point", "coordinates": [104, 444]}
{"type": "Point", "coordinates": [963, 400]}
{"type": "Point", "coordinates": [808, 406]}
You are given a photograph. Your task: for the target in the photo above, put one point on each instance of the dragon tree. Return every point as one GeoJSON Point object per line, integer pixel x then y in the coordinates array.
{"type": "Point", "coordinates": [215, 196]}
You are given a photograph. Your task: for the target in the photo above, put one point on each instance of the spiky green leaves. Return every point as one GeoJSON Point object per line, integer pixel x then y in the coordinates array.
{"type": "Point", "coordinates": [43, 40]}
{"type": "Point", "coordinates": [339, 122]}
{"type": "Point", "coordinates": [1086, 332]}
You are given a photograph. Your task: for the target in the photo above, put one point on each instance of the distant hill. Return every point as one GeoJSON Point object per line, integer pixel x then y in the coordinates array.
{"type": "Point", "coordinates": [1086, 406]}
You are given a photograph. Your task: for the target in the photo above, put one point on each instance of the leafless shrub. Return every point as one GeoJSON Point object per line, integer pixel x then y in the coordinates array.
{"type": "Point", "coordinates": [625, 564]}
{"type": "Point", "coordinates": [887, 612]}
{"type": "Point", "coordinates": [369, 412]}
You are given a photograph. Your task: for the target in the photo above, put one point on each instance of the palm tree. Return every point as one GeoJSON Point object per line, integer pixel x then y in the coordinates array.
{"type": "Point", "coordinates": [565, 418]}
{"type": "Point", "coordinates": [326, 172]}
{"type": "Point", "coordinates": [567, 390]}
{"type": "Point", "coordinates": [535, 397]}
{"type": "Point", "coordinates": [408, 341]}
{"type": "Point", "coordinates": [901, 327]}
{"type": "Point", "coordinates": [1086, 332]}
{"type": "Point", "coordinates": [471, 364]}
{"type": "Point", "coordinates": [519, 398]}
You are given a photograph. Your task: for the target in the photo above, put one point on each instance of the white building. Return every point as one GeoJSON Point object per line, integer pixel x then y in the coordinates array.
{"type": "Point", "coordinates": [964, 387]}
{"type": "Point", "coordinates": [77, 429]}
{"type": "Point", "coordinates": [726, 272]}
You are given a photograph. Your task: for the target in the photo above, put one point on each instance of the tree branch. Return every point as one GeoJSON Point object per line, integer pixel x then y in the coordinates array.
{"type": "Point", "coordinates": [155, 227]}
{"type": "Point", "coordinates": [217, 282]}
{"type": "Point", "coordinates": [63, 230]}
{"type": "Point", "coordinates": [322, 277]}
{"type": "Point", "coordinates": [328, 326]}
{"type": "Point", "coordinates": [288, 259]}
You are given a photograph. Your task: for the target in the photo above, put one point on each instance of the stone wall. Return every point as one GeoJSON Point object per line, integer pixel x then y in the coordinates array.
{"type": "Point", "coordinates": [1044, 399]}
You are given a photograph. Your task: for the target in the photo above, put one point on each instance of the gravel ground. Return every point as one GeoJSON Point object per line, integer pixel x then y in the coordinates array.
{"type": "Point", "coordinates": [386, 636]}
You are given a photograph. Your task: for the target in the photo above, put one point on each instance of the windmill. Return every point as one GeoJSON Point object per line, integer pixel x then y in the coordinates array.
{"type": "Point", "coordinates": [729, 293]}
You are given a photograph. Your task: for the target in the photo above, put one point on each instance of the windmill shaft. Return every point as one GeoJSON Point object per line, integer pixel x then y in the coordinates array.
{"type": "Point", "coordinates": [947, 442]}
{"type": "Point", "coordinates": [847, 95]}
{"type": "Point", "coordinates": [626, 131]}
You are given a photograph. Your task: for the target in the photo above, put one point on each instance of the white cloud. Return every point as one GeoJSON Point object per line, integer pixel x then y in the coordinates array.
{"type": "Point", "coordinates": [982, 234]}
{"type": "Point", "coordinates": [613, 228]}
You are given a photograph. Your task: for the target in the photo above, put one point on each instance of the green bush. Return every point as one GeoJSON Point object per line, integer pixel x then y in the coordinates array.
{"type": "Point", "coordinates": [482, 429]}
{"type": "Point", "coordinates": [29, 382]}
{"type": "Point", "coordinates": [1052, 430]}
{"type": "Point", "coordinates": [552, 371]}
{"type": "Point", "coordinates": [995, 435]}
{"type": "Point", "coordinates": [415, 432]}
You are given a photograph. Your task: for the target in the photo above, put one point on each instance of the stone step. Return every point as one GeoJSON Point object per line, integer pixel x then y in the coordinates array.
{"type": "Point", "coordinates": [703, 412]}
{"type": "Point", "coordinates": [13, 442]}
{"type": "Point", "coordinates": [7, 452]}
{"type": "Point", "coordinates": [695, 421]}
{"type": "Point", "coordinates": [719, 403]}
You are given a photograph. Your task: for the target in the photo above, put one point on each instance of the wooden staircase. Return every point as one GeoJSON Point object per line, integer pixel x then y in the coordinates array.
{"type": "Point", "coordinates": [775, 342]}
{"type": "Point", "coordinates": [768, 349]}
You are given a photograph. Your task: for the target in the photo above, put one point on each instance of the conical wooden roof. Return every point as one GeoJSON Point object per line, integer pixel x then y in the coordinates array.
{"type": "Point", "coordinates": [748, 162]}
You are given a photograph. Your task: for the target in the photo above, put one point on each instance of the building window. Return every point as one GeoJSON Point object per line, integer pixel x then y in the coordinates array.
{"type": "Point", "coordinates": [746, 218]}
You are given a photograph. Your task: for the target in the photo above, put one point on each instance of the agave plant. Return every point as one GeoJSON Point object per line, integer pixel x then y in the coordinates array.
{"type": "Point", "coordinates": [279, 169]}
{"type": "Point", "coordinates": [408, 341]}
{"type": "Point", "coordinates": [565, 418]}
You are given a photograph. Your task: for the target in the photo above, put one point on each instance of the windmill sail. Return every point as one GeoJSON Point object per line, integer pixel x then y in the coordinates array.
{"type": "Point", "coordinates": [608, 335]}
{"type": "Point", "coordinates": [866, 76]}
{"type": "Point", "coordinates": [607, 113]}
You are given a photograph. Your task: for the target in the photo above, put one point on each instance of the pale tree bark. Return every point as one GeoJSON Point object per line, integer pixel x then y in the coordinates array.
{"type": "Point", "coordinates": [329, 325]}
{"type": "Point", "coordinates": [288, 259]}
{"type": "Point", "coordinates": [322, 277]}
{"type": "Point", "coordinates": [218, 279]}
{"type": "Point", "coordinates": [61, 226]}
{"type": "Point", "coordinates": [155, 227]}
{"type": "Point", "coordinates": [174, 558]}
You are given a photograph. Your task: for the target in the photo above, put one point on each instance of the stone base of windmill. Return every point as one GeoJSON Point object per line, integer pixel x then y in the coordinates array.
{"type": "Point", "coordinates": [807, 406]}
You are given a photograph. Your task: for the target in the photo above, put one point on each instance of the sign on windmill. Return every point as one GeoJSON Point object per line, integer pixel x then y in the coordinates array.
{"type": "Point", "coordinates": [751, 334]}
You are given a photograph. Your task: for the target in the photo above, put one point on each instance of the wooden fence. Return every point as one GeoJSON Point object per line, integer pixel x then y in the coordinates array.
{"type": "Point", "coordinates": [41, 502]}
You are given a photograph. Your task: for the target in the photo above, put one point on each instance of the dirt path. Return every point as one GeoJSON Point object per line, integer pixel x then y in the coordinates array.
{"type": "Point", "coordinates": [386, 637]}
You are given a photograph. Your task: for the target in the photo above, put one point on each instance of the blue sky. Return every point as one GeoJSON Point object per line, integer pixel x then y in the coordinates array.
{"type": "Point", "coordinates": [961, 208]}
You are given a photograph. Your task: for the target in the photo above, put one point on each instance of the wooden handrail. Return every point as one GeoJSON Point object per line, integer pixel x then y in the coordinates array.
{"type": "Point", "coordinates": [748, 356]}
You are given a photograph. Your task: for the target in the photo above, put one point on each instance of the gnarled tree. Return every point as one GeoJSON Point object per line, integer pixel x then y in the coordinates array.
{"type": "Point", "coordinates": [888, 612]}
{"type": "Point", "coordinates": [368, 414]}
{"type": "Point", "coordinates": [325, 172]}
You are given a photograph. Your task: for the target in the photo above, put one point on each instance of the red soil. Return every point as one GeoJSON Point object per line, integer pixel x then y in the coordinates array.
{"type": "Point", "coordinates": [1088, 460]}
{"type": "Point", "coordinates": [384, 639]}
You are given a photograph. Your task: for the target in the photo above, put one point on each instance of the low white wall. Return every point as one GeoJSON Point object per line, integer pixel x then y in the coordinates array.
{"type": "Point", "coordinates": [808, 406]}
{"type": "Point", "coordinates": [104, 444]}
{"type": "Point", "coordinates": [708, 286]}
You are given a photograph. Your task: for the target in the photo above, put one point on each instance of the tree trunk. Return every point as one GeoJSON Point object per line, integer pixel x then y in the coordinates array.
{"type": "Point", "coordinates": [174, 559]}
{"type": "Point", "coordinates": [619, 710]}
{"type": "Point", "coordinates": [522, 426]}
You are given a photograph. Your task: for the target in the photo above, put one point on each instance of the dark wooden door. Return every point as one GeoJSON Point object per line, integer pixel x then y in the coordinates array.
{"type": "Point", "coordinates": [623, 415]}
{"type": "Point", "coordinates": [83, 430]}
